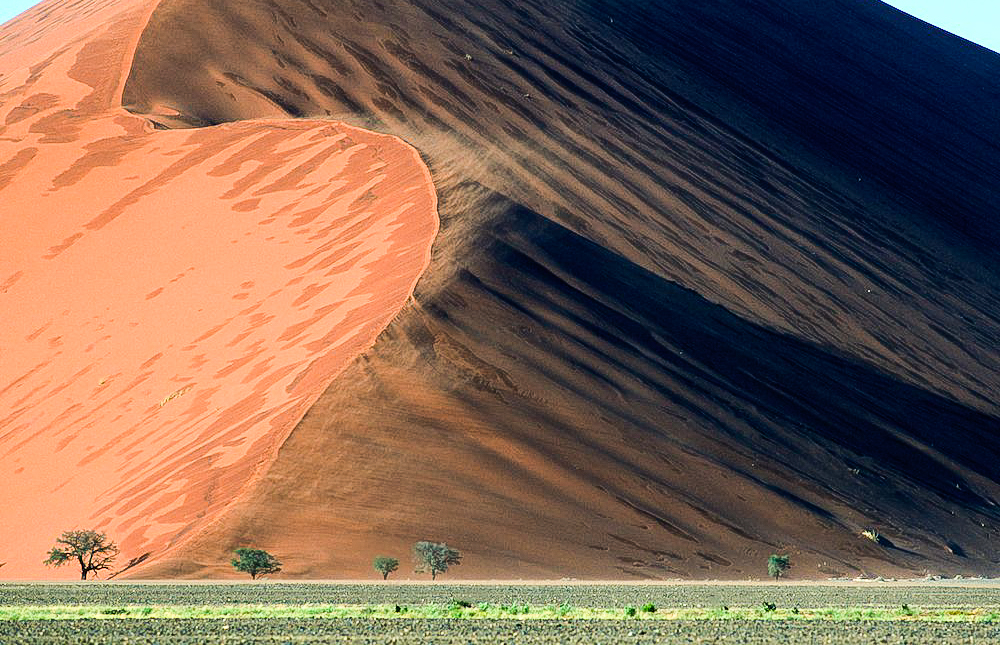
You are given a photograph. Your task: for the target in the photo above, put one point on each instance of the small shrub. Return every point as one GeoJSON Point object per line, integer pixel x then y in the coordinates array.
{"type": "Point", "coordinates": [768, 606]}
{"type": "Point", "coordinates": [459, 604]}
{"type": "Point", "coordinates": [630, 611]}
{"type": "Point", "coordinates": [872, 535]}
{"type": "Point", "coordinates": [649, 608]}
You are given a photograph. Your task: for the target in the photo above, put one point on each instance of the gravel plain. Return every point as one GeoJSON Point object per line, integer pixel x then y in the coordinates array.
{"type": "Point", "coordinates": [446, 631]}
{"type": "Point", "coordinates": [232, 631]}
{"type": "Point", "coordinates": [578, 595]}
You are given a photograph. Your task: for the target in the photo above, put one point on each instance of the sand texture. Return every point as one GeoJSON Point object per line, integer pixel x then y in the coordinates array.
{"type": "Point", "coordinates": [174, 300]}
{"type": "Point", "coordinates": [713, 281]}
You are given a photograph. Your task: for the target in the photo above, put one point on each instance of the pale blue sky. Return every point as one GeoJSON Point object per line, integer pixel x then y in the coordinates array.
{"type": "Point", "coordinates": [10, 8]}
{"type": "Point", "coordinates": [975, 20]}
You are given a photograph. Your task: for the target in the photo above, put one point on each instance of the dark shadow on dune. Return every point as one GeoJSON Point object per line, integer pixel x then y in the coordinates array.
{"type": "Point", "coordinates": [820, 393]}
{"type": "Point", "coordinates": [553, 404]}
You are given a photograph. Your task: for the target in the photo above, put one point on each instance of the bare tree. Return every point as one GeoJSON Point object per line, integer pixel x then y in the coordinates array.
{"type": "Point", "coordinates": [91, 549]}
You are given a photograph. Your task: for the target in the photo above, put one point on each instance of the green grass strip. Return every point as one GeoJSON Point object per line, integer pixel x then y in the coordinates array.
{"type": "Point", "coordinates": [498, 612]}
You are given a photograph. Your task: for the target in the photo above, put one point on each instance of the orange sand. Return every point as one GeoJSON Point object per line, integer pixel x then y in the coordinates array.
{"type": "Point", "coordinates": [174, 301]}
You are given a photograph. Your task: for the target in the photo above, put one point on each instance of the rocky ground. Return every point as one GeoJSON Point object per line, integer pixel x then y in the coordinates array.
{"type": "Point", "coordinates": [550, 632]}
{"type": "Point", "coordinates": [938, 595]}
{"type": "Point", "coordinates": [233, 631]}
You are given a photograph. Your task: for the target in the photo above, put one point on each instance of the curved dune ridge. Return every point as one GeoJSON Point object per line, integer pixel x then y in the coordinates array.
{"type": "Point", "coordinates": [174, 301]}
{"type": "Point", "coordinates": [714, 281]}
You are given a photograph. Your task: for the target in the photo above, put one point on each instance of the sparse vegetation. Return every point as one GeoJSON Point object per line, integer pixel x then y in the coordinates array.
{"type": "Point", "coordinates": [92, 550]}
{"type": "Point", "coordinates": [175, 395]}
{"type": "Point", "coordinates": [777, 565]}
{"type": "Point", "coordinates": [435, 557]}
{"type": "Point", "coordinates": [767, 611]}
{"type": "Point", "coordinates": [379, 614]}
{"type": "Point", "coordinates": [872, 535]}
{"type": "Point", "coordinates": [386, 565]}
{"type": "Point", "coordinates": [256, 562]}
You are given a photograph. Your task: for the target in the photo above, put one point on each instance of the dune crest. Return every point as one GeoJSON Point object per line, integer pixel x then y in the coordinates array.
{"type": "Point", "coordinates": [174, 300]}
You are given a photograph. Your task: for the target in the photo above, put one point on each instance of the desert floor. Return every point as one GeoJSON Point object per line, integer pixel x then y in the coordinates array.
{"type": "Point", "coordinates": [945, 599]}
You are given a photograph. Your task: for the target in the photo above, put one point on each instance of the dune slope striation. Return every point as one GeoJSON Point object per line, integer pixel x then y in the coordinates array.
{"type": "Point", "coordinates": [714, 281]}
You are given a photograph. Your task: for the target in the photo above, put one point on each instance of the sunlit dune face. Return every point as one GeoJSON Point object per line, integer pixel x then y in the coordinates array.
{"type": "Point", "coordinates": [174, 300]}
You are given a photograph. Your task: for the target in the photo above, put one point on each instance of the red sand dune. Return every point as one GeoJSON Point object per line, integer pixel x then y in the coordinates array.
{"type": "Point", "coordinates": [714, 280]}
{"type": "Point", "coordinates": [174, 300]}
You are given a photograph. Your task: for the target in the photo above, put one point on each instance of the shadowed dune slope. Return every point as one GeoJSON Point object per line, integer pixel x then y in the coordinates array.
{"type": "Point", "coordinates": [714, 280]}
{"type": "Point", "coordinates": [174, 301]}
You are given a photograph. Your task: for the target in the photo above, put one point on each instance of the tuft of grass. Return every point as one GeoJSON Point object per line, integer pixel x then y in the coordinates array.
{"type": "Point", "coordinates": [176, 394]}
{"type": "Point", "coordinates": [873, 535]}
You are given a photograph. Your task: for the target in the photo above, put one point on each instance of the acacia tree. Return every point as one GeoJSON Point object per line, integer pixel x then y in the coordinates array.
{"type": "Point", "coordinates": [386, 565]}
{"type": "Point", "coordinates": [435, 557]}
{"type": "Point", "coordinates": [777, 565]}
{"type": "Point", "coordinates": [256, 562]}
{"type": "Point", "coordinates": [91, 549]}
